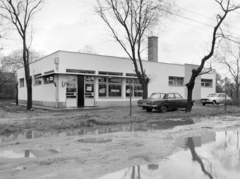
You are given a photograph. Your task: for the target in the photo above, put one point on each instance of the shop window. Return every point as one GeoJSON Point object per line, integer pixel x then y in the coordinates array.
{"type": "Point", "coordinates": [48, 79]}
{"type": "Point", "coordinates": [102, 80]}
{"type": "Point", "coordinates": [21, 82]}
{"type": "Point", "coordinates": [138, 91]}
{"type": "Point", "coordinates": [115, 90]}
{"type": "Point", "coordinates": [128, 90]}
{"type": "Point", "coordinates": [206, 82]}
{"type": "Point", "coordinates": [37, 80]}
{"type": "Point", "coordinates": [136, 87]}
{"type": "Point", "coordinates": [102, 90]}
{"type": "Point", "coordinates": [89, 78]}
{"type": "Point", "coordinates": [175, 81]}
{"type": "Point", "coordinates": [109, 87]}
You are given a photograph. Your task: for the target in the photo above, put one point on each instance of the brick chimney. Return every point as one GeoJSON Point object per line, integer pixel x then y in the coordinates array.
{"type": "Point", "coordinates": [153, 49]}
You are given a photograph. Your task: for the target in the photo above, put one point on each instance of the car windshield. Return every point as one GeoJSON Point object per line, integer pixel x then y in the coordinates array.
{"type": "Point", "coordinates": [212, 95]}
{"type": "Point", "coordinates": [157, 95]}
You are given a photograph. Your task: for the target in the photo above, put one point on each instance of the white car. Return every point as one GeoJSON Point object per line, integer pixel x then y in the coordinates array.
{"type": "Point", "coordinates": [215, 98]}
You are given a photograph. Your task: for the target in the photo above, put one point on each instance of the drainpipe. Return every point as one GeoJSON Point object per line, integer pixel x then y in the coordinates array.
{"type": "Point", "coordinates": [56, 61]}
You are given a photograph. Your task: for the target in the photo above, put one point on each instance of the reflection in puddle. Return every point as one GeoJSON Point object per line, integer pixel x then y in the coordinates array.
{"type": "Point", "coordinates": [211, 156]}
{"type": "Point", "coordinates": [94, 140]}
{"type": "Point", "coordinates": [96, 131]}
{"type": "Point", "coordinates": [20, 136]}
{"type": "Point", "coordinates": [27, 153]}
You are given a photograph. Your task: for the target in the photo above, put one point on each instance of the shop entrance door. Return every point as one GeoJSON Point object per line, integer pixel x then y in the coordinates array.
{"type": "Point", "coordinates": [89, 95]}
{"type": "Point", "coordinates": [71, 94]}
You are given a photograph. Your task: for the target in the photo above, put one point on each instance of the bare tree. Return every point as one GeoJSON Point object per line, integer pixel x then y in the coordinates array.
{"type": "Point", "coordinates": [88, 49]}
{"type": "Point", "coordinates": [130, 21]}
{"type": "Point", "coordinates": [20, 13]}
{"type": "Point", "coordinates": [230, 58]}
{"type": "Point", "coordinates": [226, 7]}
{"type": "Point", "coordinates": [5, 77]}
{"type": "Point", "coordinates": [14, 60]}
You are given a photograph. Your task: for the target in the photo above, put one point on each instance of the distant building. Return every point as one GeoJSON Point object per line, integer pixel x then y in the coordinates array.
{"type": "Point", "coordinates": [68, 79]}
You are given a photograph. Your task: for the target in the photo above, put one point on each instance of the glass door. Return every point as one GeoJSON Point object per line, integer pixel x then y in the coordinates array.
{"type": "Point", "coordinates": [89, 91]}
{"type": "Point", "coordinates": [71, 94]}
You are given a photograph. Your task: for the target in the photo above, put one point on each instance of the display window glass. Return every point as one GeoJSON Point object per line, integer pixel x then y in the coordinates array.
{"type": "Point", "coordinates": [138, 92]}
{"type": "Point", "coordinates": [115, 90]}
{"type": "Point", "coordinates": [89, 78]}
{"type": "Point", "coordinates": [102, 80]}
{"type": "Point", "coordinates": [89, 88]}
{"type": "Point", "coordinates": [128, 90]}
{"type": "Point", "coordinates": [102, 90]}
{"type": "Point", "coordinates": [71, 87]}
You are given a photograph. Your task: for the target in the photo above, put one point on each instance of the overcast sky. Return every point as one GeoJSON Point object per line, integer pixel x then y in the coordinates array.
{"type": "Point", "coordinates": [72, 24]}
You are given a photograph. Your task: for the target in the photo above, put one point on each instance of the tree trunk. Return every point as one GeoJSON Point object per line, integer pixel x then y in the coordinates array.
{"type": "Point", "coordinates": [16, 93]}
{"type": "Point", "coordinates": [27, 74]}
{"type": "Point", "coordinates": [29, 93]}
{"type": "Point", "coordinates": [145, 90]}
{"type": "Point", "coordinates": [237, 93]}
{"type": "Point", "coordinates": [190, 87]}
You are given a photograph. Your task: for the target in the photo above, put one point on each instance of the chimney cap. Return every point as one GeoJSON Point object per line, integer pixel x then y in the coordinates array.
{"type": "Point", "coordinates": [152, 37]}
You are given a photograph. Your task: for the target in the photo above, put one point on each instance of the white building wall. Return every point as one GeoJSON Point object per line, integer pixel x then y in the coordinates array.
{"type": "Point", "coordinates": [159, 74]}
{"type": "Point", "coordinates": [43, 65]}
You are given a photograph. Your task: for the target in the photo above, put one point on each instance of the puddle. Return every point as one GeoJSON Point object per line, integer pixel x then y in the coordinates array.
{"type": "Point", "coordinates": [210, 156]}
{"type": "Point", "coordinates": [20, 136]}
{"type": "Point", "coordinates": [94, 140]}
{"type": "Point", "coordinates": [27, 153]}
{"type": "Point", "coordinates": [160, 125]}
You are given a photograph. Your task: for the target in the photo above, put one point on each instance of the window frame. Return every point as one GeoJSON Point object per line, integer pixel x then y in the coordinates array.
{"type": "Point", "coordinates": [46, 81]}
{"type": "Point", "coordinates": [37, 78]}
{"type": "Point", "coordinates": [175, 81]}
{"type": "Point", "coordinates": [206, 81]}
{"type": "Point", "coordinates": [21, 82]}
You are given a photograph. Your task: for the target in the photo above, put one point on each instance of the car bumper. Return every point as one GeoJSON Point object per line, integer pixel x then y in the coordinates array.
{"type": "Point", "coordinates": [147, 106]}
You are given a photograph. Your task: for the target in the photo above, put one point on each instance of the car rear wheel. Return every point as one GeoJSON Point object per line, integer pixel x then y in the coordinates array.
{"type": "Point", "coordinates": [203, 104]}
{"type": "Point", "coordinates": [163, 109]}
{"type": "Point", "coordinates": [214, 102]}
{"type": "Point", "coordinates": [149, 109]}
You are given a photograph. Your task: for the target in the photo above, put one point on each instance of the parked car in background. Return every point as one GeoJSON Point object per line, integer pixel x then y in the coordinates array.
{"type": "Point", "coordinates": [216, 98]}
{"type": "Point", "coordinates": [163, 102]}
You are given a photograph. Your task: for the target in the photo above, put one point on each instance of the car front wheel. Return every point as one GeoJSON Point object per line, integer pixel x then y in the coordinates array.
{"type": "Point", "coordinates": [203, 104]}
{"type": "Point", "coordinates": [163, 109]}
{"type": "Point", "coordinates": [214, 102]}
{"type": "Point", "coordinates": [149, 109]}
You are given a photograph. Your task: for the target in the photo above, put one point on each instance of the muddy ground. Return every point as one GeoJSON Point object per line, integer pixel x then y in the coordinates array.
{"type": "Point", "coordinates": [94, 160]}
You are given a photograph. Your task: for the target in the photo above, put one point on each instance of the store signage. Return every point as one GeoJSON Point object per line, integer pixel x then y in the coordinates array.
{"type": "Point", "coordinates": [115, 80]}
{"type": "Point", "coordinates": [115, 90]}
{"type": "Point", "coordinates": [102, 90]}
{"type": "Point", "coordinates": [71, 78]}
{"type": "Point", "coordinates": [102, 79]}
{"type": "Point", "coordinates": [89, 78]}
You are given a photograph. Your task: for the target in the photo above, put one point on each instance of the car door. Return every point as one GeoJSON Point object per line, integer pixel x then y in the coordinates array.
{"type": "Point", "coordinates": [171, 100]}
{"type": "Point", "coordinates": [180, 102]}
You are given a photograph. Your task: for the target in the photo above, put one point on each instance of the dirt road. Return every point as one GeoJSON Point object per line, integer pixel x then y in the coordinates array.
{"type": "Point", "coordinates": [74, 158]}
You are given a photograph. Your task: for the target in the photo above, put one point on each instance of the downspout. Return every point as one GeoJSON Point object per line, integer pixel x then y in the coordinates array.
{"type": "Point", "coordinates": [56, 61]}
